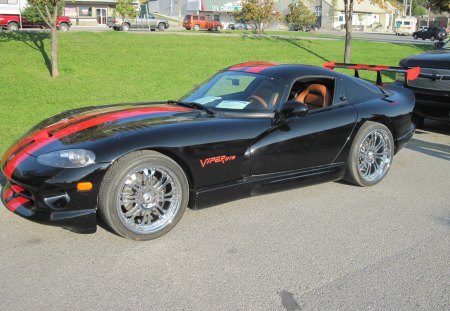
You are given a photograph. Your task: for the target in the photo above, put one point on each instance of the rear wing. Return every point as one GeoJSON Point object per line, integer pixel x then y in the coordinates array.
{"type": "Point", "coordinates": [410, 73]}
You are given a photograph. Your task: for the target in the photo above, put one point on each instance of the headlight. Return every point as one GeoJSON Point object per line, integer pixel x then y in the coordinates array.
{"type": "Point", "coordinates": [400, 77]}
{"type": "Point", "coordinates": [68, 158]}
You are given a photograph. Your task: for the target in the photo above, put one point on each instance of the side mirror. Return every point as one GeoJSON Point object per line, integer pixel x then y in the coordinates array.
{"type": "Point", "coordinates": [438, 45]}
{"type": "Point", "coordinates": [293, 108]}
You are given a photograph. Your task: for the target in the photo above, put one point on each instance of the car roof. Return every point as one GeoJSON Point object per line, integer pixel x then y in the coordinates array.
{"type": "Point", "coordinates": [285, 71]}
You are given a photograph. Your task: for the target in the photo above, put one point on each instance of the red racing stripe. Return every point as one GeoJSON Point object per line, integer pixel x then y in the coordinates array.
{"type": "Point", "coordinates": [30, 149]}
{"type": "Point", "coordinates": [44, 133]}
{"type": "Point", "coordinates": [15, 203]}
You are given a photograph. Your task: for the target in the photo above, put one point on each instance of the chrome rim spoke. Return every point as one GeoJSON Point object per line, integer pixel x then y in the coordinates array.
{"type": "Point", "coordinates": [374, 155]}
{"type": "Point", "coordinates": [149, 198]}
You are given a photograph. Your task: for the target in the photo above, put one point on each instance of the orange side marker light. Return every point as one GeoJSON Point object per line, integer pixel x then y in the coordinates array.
{"type": "Point", "coordinates": [85, 186]}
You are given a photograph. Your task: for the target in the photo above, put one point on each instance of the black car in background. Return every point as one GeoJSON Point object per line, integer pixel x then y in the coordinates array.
{"type": "Point", "coordinates": [432, 87]}
{"type": "Point", "coordinates": [431, 33]}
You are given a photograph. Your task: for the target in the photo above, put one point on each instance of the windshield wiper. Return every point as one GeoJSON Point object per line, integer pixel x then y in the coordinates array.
{"type": "Point", "coordinates": [193, 105]}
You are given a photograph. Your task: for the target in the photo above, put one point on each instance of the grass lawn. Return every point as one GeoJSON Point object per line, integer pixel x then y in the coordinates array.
{"type": "Point", "coordinates": [115, 67]}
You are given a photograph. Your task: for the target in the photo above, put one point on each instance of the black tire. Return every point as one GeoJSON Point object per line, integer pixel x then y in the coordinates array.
{"type": "Point", "coordinates": [12, 26]}
{"type": "Point", "coordinates": [161, 26]}
{"type": "Point", "coordinates": [138, 190]}
{"type": "Point", "coordinates": [418, 120]}
{"type": "Point", "coordinates": [63, 27]}
{"type": "Point", "coordinates": [372, 140]}
{"type": "Point", "coordinates": [125, 27]}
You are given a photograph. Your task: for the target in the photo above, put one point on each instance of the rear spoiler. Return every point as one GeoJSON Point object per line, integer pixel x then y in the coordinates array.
{"type": "Point", "coordinates": [410, 73]}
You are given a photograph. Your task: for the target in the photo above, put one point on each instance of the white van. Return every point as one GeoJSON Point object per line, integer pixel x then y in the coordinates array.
{"type": "Point", "coordinates": [405, 25]}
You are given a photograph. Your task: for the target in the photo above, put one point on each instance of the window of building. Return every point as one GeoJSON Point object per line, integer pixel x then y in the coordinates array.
{"type": "Point", "coordinates": [85, 11]}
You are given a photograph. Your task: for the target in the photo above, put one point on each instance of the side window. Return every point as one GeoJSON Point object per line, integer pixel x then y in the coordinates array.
{"type": "Point", "coordinates": [314, 92]}
{"type": "Point", "coordinates": [407, 23]}
{"type": "Point", "coordinates": [195, 18]}
{"type": "Point", "coordinates": [202, 18]}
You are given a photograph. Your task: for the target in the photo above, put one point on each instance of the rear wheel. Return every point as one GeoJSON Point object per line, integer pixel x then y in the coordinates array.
{"type": "Point", "coordinates": [143, 195]}
{"type": "Point", "coordinates": [12, 26]}
{"type": "Point", "coordinates": [371, 155]}
{"type": "Point", "coordinates": [125, 27]}
{"type": "Point", "coordinates": [161, 26]}
{"type": "Point", "coordinates": [63, 27]}
{"type": "Point", "coordinates": [415, 37]}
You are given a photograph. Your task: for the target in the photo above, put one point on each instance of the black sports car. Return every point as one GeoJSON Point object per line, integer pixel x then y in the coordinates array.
{"type": "Point", "coordinates": [432, 87]}
{"type": "Point", "coordinates": [252, 128]}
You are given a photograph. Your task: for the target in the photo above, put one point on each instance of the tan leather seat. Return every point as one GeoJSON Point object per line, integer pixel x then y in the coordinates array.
{"type": "Point", "coordinates": [315, 96]}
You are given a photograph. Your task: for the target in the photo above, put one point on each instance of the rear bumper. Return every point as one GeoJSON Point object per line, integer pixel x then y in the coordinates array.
{"type": "Point", "coordinates": [405, 138]}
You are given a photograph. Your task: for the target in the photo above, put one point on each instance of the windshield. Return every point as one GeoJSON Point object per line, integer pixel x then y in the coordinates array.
{"type": "Point", "coordinates": [232, 90]}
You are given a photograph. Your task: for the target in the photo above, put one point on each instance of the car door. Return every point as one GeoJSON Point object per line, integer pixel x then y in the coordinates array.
{"type": "Point", "coordinates": [313, 140]}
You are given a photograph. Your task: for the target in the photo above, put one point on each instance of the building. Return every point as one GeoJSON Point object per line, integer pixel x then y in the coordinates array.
{"type": "Point", "coordinates": [366, 16]}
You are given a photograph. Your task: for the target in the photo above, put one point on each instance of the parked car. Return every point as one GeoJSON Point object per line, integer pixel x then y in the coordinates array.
{"type": "Point", "coordinates": [253, 128]}
{"type": "Point", "coordinates": [432, 87]}
{"type": "Point", "coordinates": [11, 22]}
{"type": "Point", "coordinates": [237, 26]}
{"type": "Point", "coordinates": [201, 22]}
{"type": "Point", "coordinates": [431, 33]}
{"type": "Point", "coordinates": [147, 21]}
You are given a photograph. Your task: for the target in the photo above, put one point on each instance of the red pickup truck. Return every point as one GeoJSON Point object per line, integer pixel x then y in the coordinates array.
{"type": "Point", "coordinates": [11, 22]}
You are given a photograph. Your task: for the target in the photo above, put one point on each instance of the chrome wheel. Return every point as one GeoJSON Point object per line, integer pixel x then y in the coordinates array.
{"type": "Point", "coordinates": [149, 198]}
{"type": "Point", "coordinates": [375, 155]}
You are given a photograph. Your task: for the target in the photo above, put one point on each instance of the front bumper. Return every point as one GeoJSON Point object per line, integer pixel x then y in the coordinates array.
{"type": "Point", "coordinates": [19, 201]}
{"type": "Point", "coordinates": [49, 196]}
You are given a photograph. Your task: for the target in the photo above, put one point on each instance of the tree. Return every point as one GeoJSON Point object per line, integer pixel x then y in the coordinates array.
{"type": "Point", "coordinates": [348, 12]}
{"type": "Point", "coordinates": [300, 16]}
{"type": "Point", "coordinates": [439, 5]}
{"type": "Point", "coordinates": [126, 9]}
{"type": "Point", "coordinates": [47, 11]}
{"type": "Point", "coordinates": [257, 14]}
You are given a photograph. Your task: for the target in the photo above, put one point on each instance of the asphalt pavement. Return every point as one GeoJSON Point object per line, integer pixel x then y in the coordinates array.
{"type": "Point", "coordinates": [331, 246]}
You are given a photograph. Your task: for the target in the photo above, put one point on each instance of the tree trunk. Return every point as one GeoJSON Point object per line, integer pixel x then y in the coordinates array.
{"type": "Point", "coordinates": [54, 52]}
{"type": "Point", "coordinates": [348, 29]}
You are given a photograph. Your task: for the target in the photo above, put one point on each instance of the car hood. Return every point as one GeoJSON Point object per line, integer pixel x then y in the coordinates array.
{"type": "Point", "coordinates": [83, 127]}
{"type": "Point", "coordinates": [434, 59]}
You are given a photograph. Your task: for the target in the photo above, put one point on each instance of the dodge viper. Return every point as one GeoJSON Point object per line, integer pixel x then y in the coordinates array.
{"type": "Point", "coordinates": [252, 128]}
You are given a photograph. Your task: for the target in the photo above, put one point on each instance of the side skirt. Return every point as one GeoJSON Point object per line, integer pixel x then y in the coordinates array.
{"type": "Point", "coordinates": [262, 184]}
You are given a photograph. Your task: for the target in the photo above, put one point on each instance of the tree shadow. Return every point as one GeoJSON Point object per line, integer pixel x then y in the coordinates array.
{"type": "Point", "coordinates": [297, 42]}
{"type": "Point", "coordinates": [32, 39]}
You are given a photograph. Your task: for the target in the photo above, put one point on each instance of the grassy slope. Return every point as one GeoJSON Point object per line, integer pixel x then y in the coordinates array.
{"type": "Point", "coordinates": [113, 67]}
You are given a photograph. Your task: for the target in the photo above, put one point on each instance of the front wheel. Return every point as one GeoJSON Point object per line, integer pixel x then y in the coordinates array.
{"type": "Point", "coordinates": [143, 195]}
{"type": "Point", "coordinates": [218, 28]}
{"type": "Point", "coordinates": [371, 155]}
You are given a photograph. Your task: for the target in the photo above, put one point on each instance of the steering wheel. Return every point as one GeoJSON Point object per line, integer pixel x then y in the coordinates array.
{"type": "Point", "coordinates": [259, 100]}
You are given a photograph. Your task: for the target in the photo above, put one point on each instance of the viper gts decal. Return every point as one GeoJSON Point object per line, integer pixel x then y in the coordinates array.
{"type": "Point", "coordinates": [219, 159]}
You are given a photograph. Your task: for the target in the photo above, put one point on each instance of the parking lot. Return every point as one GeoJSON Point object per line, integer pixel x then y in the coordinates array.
{"type": "Point", "coordinates": [331, 246]}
